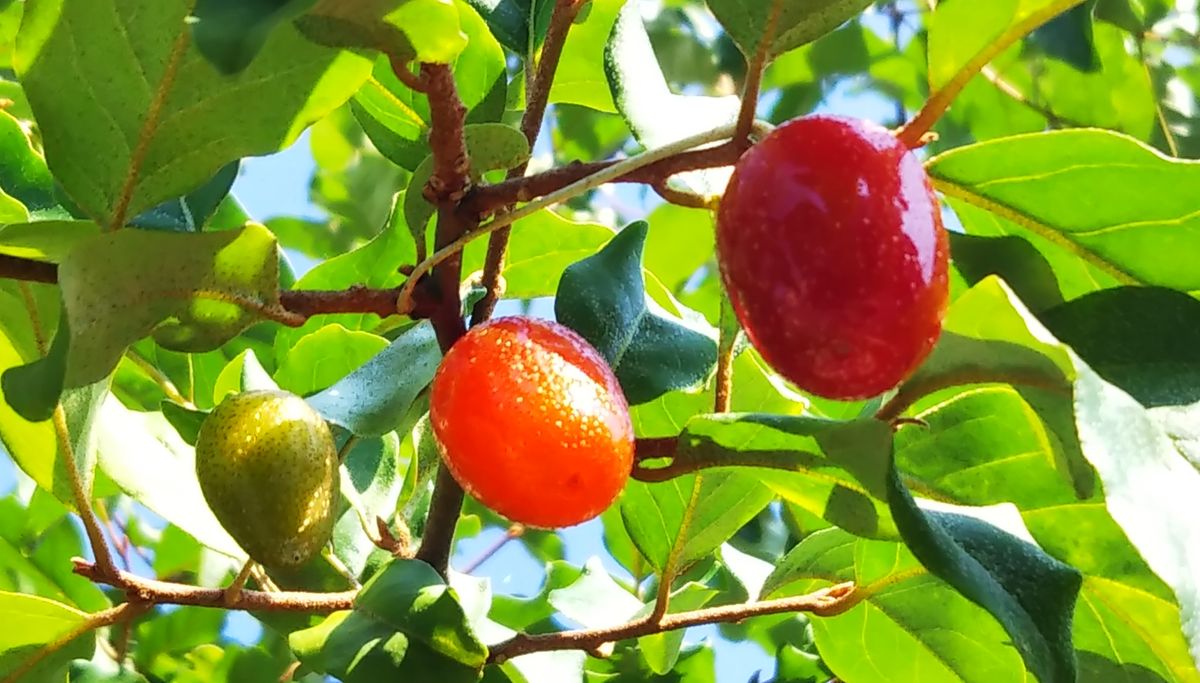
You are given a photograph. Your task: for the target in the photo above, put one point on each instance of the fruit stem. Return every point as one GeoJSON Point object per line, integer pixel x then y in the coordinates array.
{"type": "Point", "coordinates": [754, 74]}
{"type": "Point", "coordinates": [728, 325]}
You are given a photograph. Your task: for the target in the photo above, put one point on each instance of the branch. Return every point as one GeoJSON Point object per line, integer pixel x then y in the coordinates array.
{"type": "Point", "coordinates": [826, 602]}
{"type": "Point", "coordinates": [537, 98]}
{"type": "Point", "coordinates": [151, 591]}
{"type": "Point", "coordinates": [447, 186]}
{"type": "Point", "coordinates": [482, 201]}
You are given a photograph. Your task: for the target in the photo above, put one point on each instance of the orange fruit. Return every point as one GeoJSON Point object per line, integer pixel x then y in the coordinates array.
{"type": "Point", "coordinates": [531, 421]}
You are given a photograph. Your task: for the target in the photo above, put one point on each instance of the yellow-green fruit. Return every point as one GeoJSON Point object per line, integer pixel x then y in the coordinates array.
{"type": "Point", "coordinates": [269, 470]}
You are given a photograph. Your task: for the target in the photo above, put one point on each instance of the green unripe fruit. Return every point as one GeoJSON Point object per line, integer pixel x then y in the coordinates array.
{"type": "Point", "coordinates": [269, 470]}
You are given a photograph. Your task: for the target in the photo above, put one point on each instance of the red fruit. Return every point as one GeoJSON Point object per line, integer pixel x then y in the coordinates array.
{"type": "Point", "coordinates": [531, 422]}
{"type": "Point", "coordinates": [832, 250]}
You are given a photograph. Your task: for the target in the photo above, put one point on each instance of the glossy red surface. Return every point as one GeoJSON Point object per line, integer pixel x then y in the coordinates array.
{"type": "Point", "coordinates": [532, 422]}
{"type": "Point", "coordinates": [832, 250]}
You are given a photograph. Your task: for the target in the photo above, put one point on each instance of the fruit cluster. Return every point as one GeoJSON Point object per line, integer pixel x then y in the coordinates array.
{"type": "Point", "coordinates": [832, 251]}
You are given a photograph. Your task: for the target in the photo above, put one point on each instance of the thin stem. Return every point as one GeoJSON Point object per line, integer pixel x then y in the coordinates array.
{"type": "Point", "coordinates": [82, 495]}
{"type": "Point", "coordinates": [754, 73]}
{"type": "Point", "coordinates": [573, 190]}
{"type": "Point", "coordinates": [444, 508]}
{"type": "Point", "coordinates": [913, 133]}
{"type": "Point", "coordinates": [408, 78]}
{"type": "Point", "coordinates": [164, 383]}
{"type": "Point", "coordinates": [537, 97]}
{"type": "Point", "coordinates": [723, 393]}
{"type": "Point", "coordinates": [514, 531]}
{"type": "Point", "coordinates": [826, 602]}
{"type": "Point", "coordinates": [234, 590]}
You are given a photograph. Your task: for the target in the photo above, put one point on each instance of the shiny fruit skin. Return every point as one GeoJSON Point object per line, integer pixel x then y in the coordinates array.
{"type": "Point", "coordinates": [268, 468]}
{"type": "Point", "coordinates": [531, 421]}
{"type": "Point", "coordinates": [831, 247]}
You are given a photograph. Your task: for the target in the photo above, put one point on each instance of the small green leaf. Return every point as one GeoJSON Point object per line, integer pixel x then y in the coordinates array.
{"type": "Point", "coordinates": [373, 399]}
{"type": "Point", "coordinates": [603, 297]}
{"type": "Point", "coordinates": [800, 21]}
{"type": "Point", "coordinates": [580, 78]}
{"type": "Point", "coordinates": [243, 373]}
{"type": "Point", "coordinates": [33, 390]}
{"type": "Point", "coordinates": [186, 421]}
{"type": "Point", "coordinates": [490, 146]}
{"type": "Point", "coordinates": [42, 622]}
{"type": "Point", "coordinates": [194, 291]}
{"type": "Point", "coordinates": [1068, 37]}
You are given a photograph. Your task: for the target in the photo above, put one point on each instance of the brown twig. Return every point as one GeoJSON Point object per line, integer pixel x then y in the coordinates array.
{"type": "Point", "coordinates": [537, 97]}
{"type": "Point", "coordinates": [826, 602]}
{"type": "Point", "coordinates": [151, 591]}
{"type": "Point", "coordinates": [681, 197]}
{"type": "Point", "coordinates": [485, 199]}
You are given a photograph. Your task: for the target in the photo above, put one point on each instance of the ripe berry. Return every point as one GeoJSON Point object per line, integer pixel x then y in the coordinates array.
{"type": "Point", "coordinates": [531, 421]}
{"type": "Point", "coordinates": [269, 470]}
{"type": "Point", "coordinates": [831, 248]}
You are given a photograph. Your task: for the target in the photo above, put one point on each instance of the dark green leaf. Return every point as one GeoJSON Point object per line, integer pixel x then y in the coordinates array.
{"type": "Point", "coordinates": [23, 173]}
{"type": "Point", "coordinates": [511, 20]}
{"type": "Point", "coordinates": [1069, 37]}
{"type": "Point", "coordinates": [191, 212]}
{"type": "Point", "coordinates": [229, 33]}
{"type": "Point", "coordinates": [603, 298]}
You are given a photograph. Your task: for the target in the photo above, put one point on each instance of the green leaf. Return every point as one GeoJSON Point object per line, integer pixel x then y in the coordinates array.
{"type": "Point", "coordinates": [662, 650]}
{"type": "Point", "coordinates": [490, 146]}
{"type": "Point", "coordinates": [988, 336]}
{"type": "Point", "coordinates": [243, 373]}
{"type": "Point", "coordinates": [151, 463]}
{"type": "Point", "coordinates": [421, 30]}
{"type": "Point", "coordinates": [372, 477]}
{"type": "Point", "coordinates": [33, 390]}
{"type": "Point", "coordinates": [1149, 487]}
{"type": "Point", "coordinates": [963, 35]}
{"type": "Point", "coordinates": [23, 173]}
{"type": "Point", "coordinates": [157, 127]}
{"type": "Point", "coordinates": [186, 421]}
{"type": "Point", "coordinates": [1124, 216]}
{"type": "Point", "coordinates": [406, 622]}
{"type": "Point", "coordinates": [191, 212]}
{"type": "Point", "coordinates": [1031, 594]}
{"type": "Point", "coordinates": [229, 33]}
{"type": "Point", "coordinates": [689, 517]}
{"type": "Point", "coordinates": [1068, 37]}
{"type": "Point", "coordinates": [42, 622]}
{"type": "Point", "coordinates": [835, 470]}
{"type": "Point", "coordinates": [800, 21]}
{"type": "Point", "coordinates": [1145, 340]}
{"type": "Point", "coordinates": [580, 77]}
{"type": "Point", "coordinates": [511, 20]}
{"type": "Point", "coordinates": [681, 240]}
{"type": "Point", "coordinates": [49, 240]}
{"type": "Point", "coordinates": [396, 118]}
{"type": "Point", "coordinates": [320, 359]}
{"type": "Point", "coordinates": [934, 634]}
{"type": "Point", "coordinates": [194, 291]}
{"type": "Point", "coordinates": [603, 297]}
{"type": "Point", "coordinates": [595, 600]}
{"type": "Point", "coordinates": [541, 247]}
{"type": "Point", "coordinates": [656, 115]}
{"type": "Point", "coordinates": [373, 399]}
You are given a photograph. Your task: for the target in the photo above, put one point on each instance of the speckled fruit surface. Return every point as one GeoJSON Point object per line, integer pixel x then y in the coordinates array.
{"type": "Point", "coordinates": [531, 422]}
{"type": "Point", "coordinates": [831, 246]}
{"type": "Point", "coordinates": [268, 468]}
